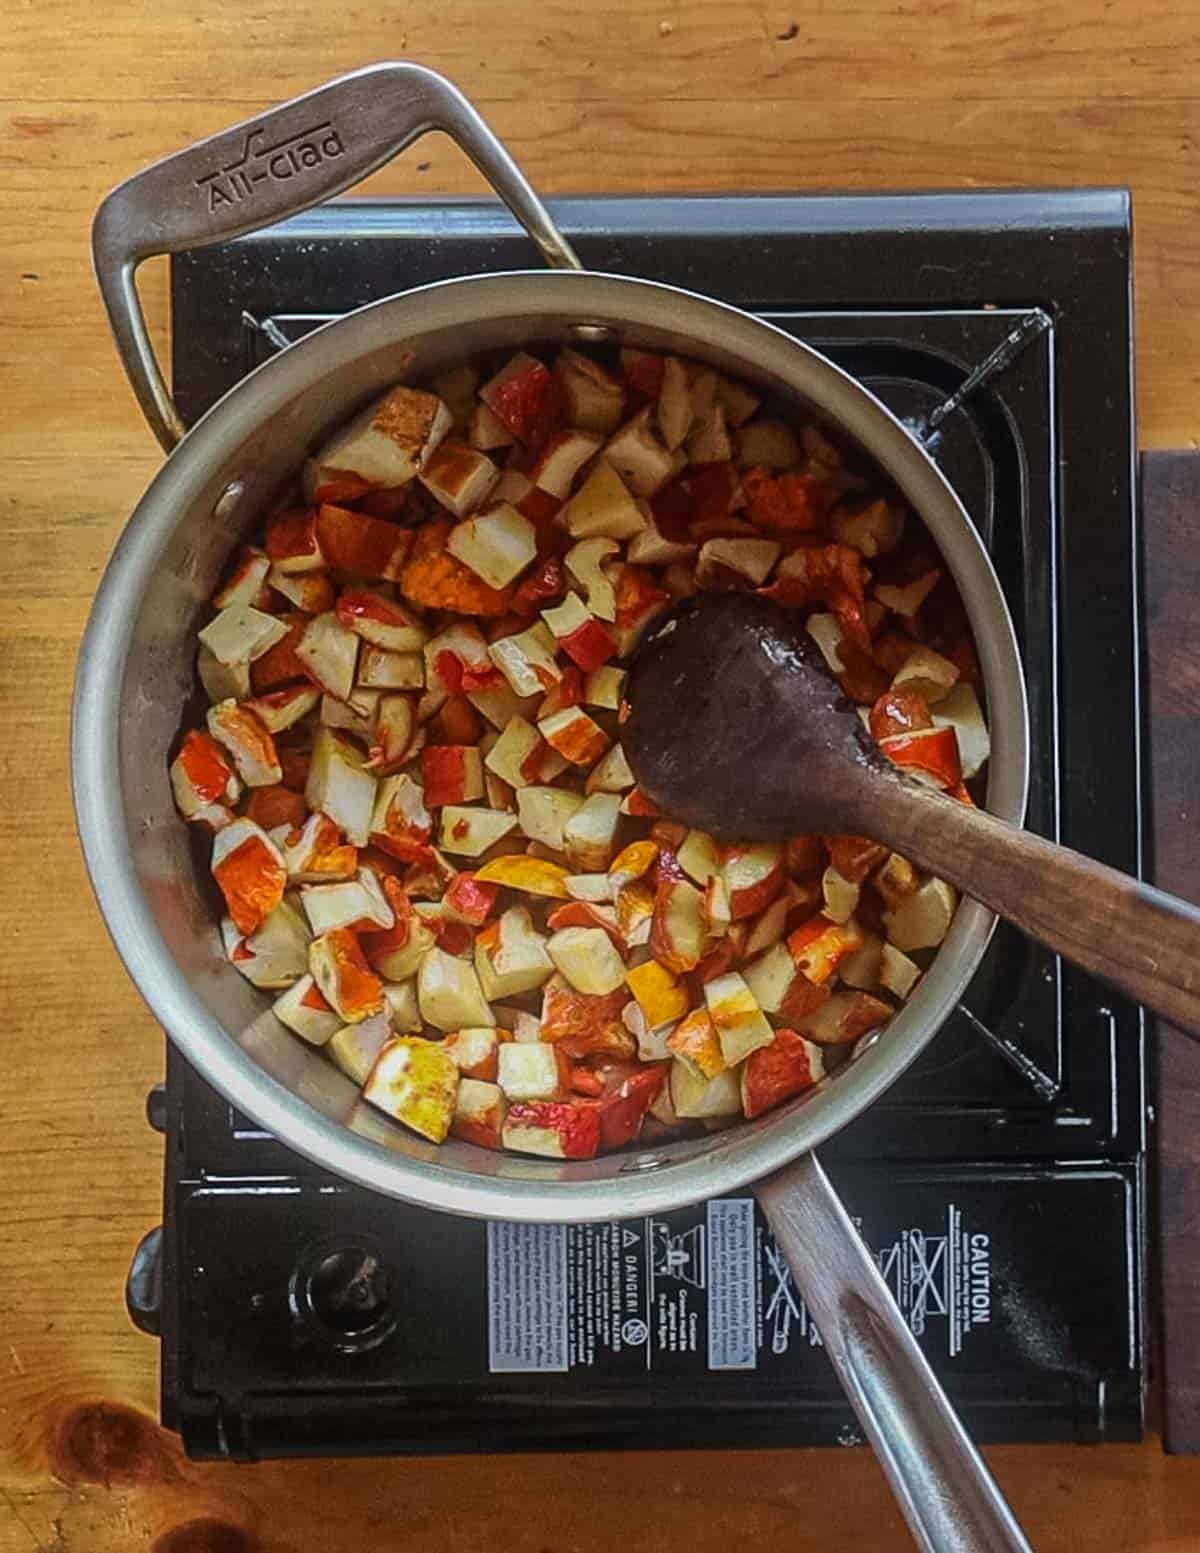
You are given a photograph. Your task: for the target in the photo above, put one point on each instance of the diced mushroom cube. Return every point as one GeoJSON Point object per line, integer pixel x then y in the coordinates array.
{"type": "Point", "coordinates": [679, 929]}
{"type": "Point", "coordinates": [276, 954]}
{"type": "Point", "coordinates": [242, 733]}
{"type": "Point", "coordinates": [357, 903]}
{"type": "Point", "coordinates": [249, 870]}
{"type": "Point", "coordinates": [594, 398]}
{"type": "Point", "coordinates": [415, 1082]}
{"type": "Point", "coordinates": [449, 993]}
{"type": "Point", "coordinates": [843, 1017]}
{"type": "Point", "coordinates": [585, 640]}
{"type": "Point", "coordinates": [510, 956]}
{"type": "Point", "coordinates": [586, 957]}
{"type": "Point", "coordinates": [751, 559]}
{"type": "Point", "coordinates": [694, 1042]}
{"type": "Point", "coordinates": [470, 832]}
{"type": "Point", "coordinates": [280, 710]}
{"type": "Point", "coordinates": [923, 919]}
{"type": "Point", "coordinates": [497, 544]}
{"type": "Point", "coordinates": [347, 981]}
{"type": "Point", "coordinates": [611, 773]}
{"type": "Point", "coordinates": [527, 660]}
{"type": "Point", "coordinates": [605, 688]}
{"type": "Point", "coordinates": [459, 477]}
{"type": "Point", "coordinates": [602, 507]}
{"type": "Point", "coordinates": [452, 774]}
{"type": "Point", "coordinates": [660, 995]}
{"type": "Point", "coordinates": [240, 634]}
{"type": "Point", "coordinates": [487, 431]}
{"type": "Point", "coordinates": [959, 709]}
{"type": "Point", "coordinates": [576, 737]}
{"type": "Point", "coordinates": [741, 1027]}
{"type": "Point", "coordinates": [400, 823]}
{"type": "Point", "coordinates": [590, 834]}
{"type": "Point", "coordinates": [380, 620]}
{"type": "Point", "coordinates": [474, 1050]}
{"type": "Point", "coordinates": [318, 855]}
{"type": "Point", "coordinates": [695, 1097]}
{"type": "Point", "coordinates": [222, 681]}
{"type": "Point", "coordinates": [897, 973]}
{"type": "Point", "coordinates": [243, 583]}
{"type": "Point", "coordinates": [529, 1071]}
{"type": "Point", "coordinates": [544, 811]}
{"type": "Point", "coordinates": [563, 456]}
{"type": "Point", "coordinates": [310, 592]}
{"type": "Point", "coordinates": [526, 398]}
{"type": "Point", "coordinates": [778, 1072]}
{"type": "Point", "coordinates": [304, 1010]}
{"type": "Point", "coordinates": [401, 1006]}
{"type": "Point", "coordinates": [555, 1129]}
{"type": "Point", "coordinates": [479, 1112]}
{"type": "Point", "coordinates": [768, 444]}
{"type": "Point", "coordinates": [354, 1048]}
{"type": "Point", "coordinates": [381, 670]}
{"type": "Point", "coordinates": [387, 442]}
{"type": "Point", "coordinates": [521, 757]}
{"type": "Point", "coordinates": [201, 776]}
{"type": "Point", "coordinates": [340, 785]}
{"type": "Point", "coordinates": [329, 653]}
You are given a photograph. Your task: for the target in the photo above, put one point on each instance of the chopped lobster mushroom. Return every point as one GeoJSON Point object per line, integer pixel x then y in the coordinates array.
{"type": "Point", "coordinates": [244, 736]}
{"type": "Point", "coordinates": [276, 954]}
{"type": "Point", "coordinates": [479, 1112]}
{"type": "Point", "coordinates": [603, 507]}
{"type": "Point", "coordinates": [240, 634]}
{"type": "Point", "coordinates": [201, 776]}
{"type": "Point", "coordinates": [356, 903]}
{"type": "Point", "coordinates": [593, 397]}
{"type": "Point", "coordinates": [779, 1072]}
{"type": "Point", "coordinates": [354, 1048]}
{"type": "Point", "coordinates": [449, 993]}
{"type": "Point", "coordinates": [415, 1082]}
{"type": "Point", "coordinates": [497, 544]}
{"type": "Point", "coordinates": [304, 1010]}
{"type": "Point", "coordinates": [387, 443]}
{"type": "Point", "coordinates": [340, 970]}
{"type": "Point", "coordinates": [434, 855]}
{"type": "Point", "coordinates": [511, 956]}
{"type": "Point", "coordinates": [458, 476]}
{"type": "Point", "coordinates": [340, 785]}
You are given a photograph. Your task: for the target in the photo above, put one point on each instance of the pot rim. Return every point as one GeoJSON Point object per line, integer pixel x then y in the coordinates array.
{"type": "Point", "coordinates": [533, 1191]}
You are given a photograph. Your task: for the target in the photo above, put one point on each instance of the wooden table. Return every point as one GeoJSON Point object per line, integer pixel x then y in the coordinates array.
{"type": "Point", "coordinates": [622, 95]}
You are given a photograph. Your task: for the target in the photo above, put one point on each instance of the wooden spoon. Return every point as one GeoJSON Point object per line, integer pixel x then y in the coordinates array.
{"type": "Point", "coordinates": [737, 727]}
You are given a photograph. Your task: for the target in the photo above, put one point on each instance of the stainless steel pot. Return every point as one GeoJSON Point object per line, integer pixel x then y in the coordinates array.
{"type": "Point", "coordinates": [136, 671]}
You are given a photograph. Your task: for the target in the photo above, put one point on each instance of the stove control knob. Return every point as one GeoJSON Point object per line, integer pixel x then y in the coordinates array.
{"type": "Point", "coordinates": [346, 1291]}
{"type": "Point", "coordinates": [156, 1107]}
{"type": "Point", "coordinates": [143, 1286]}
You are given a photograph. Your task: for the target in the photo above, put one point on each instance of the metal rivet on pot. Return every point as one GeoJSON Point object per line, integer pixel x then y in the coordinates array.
{"type": "Point", "coordinates": [593, 334]}
{"type": "Point", "coordinates": [643, 1162]}
{"type": "Point", "coordinates": [224, 505]}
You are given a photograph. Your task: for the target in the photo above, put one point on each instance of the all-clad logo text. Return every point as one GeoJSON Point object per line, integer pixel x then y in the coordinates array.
{"type": "Point", "coordinates": [258, 163]}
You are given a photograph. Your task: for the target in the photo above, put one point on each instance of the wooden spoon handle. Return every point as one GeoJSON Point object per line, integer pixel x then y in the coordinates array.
{"type": "Point", "coordinates": [1139, 939]}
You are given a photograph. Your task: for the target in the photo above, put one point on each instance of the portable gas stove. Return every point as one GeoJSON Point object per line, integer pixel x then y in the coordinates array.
{"type": "Point", "coordinates": [1001, 1183]}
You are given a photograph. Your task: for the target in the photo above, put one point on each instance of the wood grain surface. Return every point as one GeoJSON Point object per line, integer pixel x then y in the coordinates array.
{"type": "Point", "coordinates": [1171, 502]}
{"type": "Point", "coordinates": [622, 95]}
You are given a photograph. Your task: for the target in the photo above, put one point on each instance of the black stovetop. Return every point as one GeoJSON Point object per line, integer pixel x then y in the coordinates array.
{"type": "Point", "coordinates": [1001, 1181]}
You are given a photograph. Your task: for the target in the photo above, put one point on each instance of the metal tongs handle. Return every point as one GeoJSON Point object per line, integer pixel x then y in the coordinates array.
{"type": "Point", "coordinates": [278, 164]}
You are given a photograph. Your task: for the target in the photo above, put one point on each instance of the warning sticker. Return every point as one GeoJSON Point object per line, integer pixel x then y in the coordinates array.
{"type": "Point", "coordinates": [706, 1289]}
{"type": "Point", "coordinates": [527, 1297]}
{"type": "Point", "coordinates": [732, 1285]}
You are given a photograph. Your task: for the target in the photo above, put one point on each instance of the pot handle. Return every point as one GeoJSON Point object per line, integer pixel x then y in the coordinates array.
{"type": "Point", "coordinates": [275, 165]}
{"type": "Point", "coordinates": [946, 1493]}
